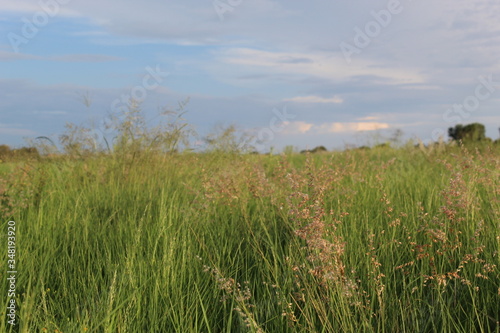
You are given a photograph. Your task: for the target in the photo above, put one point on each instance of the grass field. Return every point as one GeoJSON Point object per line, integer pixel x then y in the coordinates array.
{"type": "Point", "coordinates": [375, 240]}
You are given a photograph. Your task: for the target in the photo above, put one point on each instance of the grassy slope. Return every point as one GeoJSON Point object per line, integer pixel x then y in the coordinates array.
{"type": "Point", "coordinates": [377, 241]}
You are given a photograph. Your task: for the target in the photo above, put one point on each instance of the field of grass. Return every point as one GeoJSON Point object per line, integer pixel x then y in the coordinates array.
{"type": "Point", "coordinates": [379, 240]}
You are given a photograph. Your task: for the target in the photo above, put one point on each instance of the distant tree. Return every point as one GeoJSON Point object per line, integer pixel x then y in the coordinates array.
{"type": "Point", "coordinates": [468, 133]}
{"type": "Point", "coordinates": [318, 149]}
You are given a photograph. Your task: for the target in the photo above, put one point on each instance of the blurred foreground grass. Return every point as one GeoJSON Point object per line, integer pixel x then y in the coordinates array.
{"type": "Point", "coordinates": [380, 240]}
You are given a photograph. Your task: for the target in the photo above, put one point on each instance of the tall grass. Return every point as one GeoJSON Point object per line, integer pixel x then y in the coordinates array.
{"type": "Point", "coordinates": [381, 240]}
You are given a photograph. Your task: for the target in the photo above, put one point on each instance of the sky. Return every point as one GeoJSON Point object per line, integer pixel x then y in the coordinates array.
{"type": "Point", "coordinates": [300, 73]}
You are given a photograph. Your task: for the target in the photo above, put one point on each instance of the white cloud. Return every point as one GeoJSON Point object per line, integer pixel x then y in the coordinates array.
{"type": "Point", "coordinates": [350, 127]}
{"type": "Point", "coordinates": [421, 87]}
{"type": "Point", "coordinates": [30, 8]}
{"type": "Point", "coordinates": [302, 127]}
{"type": "Point", "coordinates": [296, 127]}
{"type": "Point", "coordinates": [312, 64]}
{"type": "Point", "coordinates": [315, 99]}
{"type": "Point", "coordinates": [19, 6]}
{"type": "Point", "coordinates": [367, 118]}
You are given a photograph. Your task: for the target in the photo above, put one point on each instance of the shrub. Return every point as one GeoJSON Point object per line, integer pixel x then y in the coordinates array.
{"type": "Point", "coordinates": [4, 151]}
{"type": "Point", "coordinates": [22, 153]}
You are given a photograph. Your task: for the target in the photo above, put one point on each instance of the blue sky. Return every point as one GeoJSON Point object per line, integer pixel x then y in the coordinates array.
{"type": "Point", "coordinates": [290, 72]}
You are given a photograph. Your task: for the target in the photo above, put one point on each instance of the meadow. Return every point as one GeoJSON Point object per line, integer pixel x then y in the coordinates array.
{"type": "Point", "coordinates": [365, 240]}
